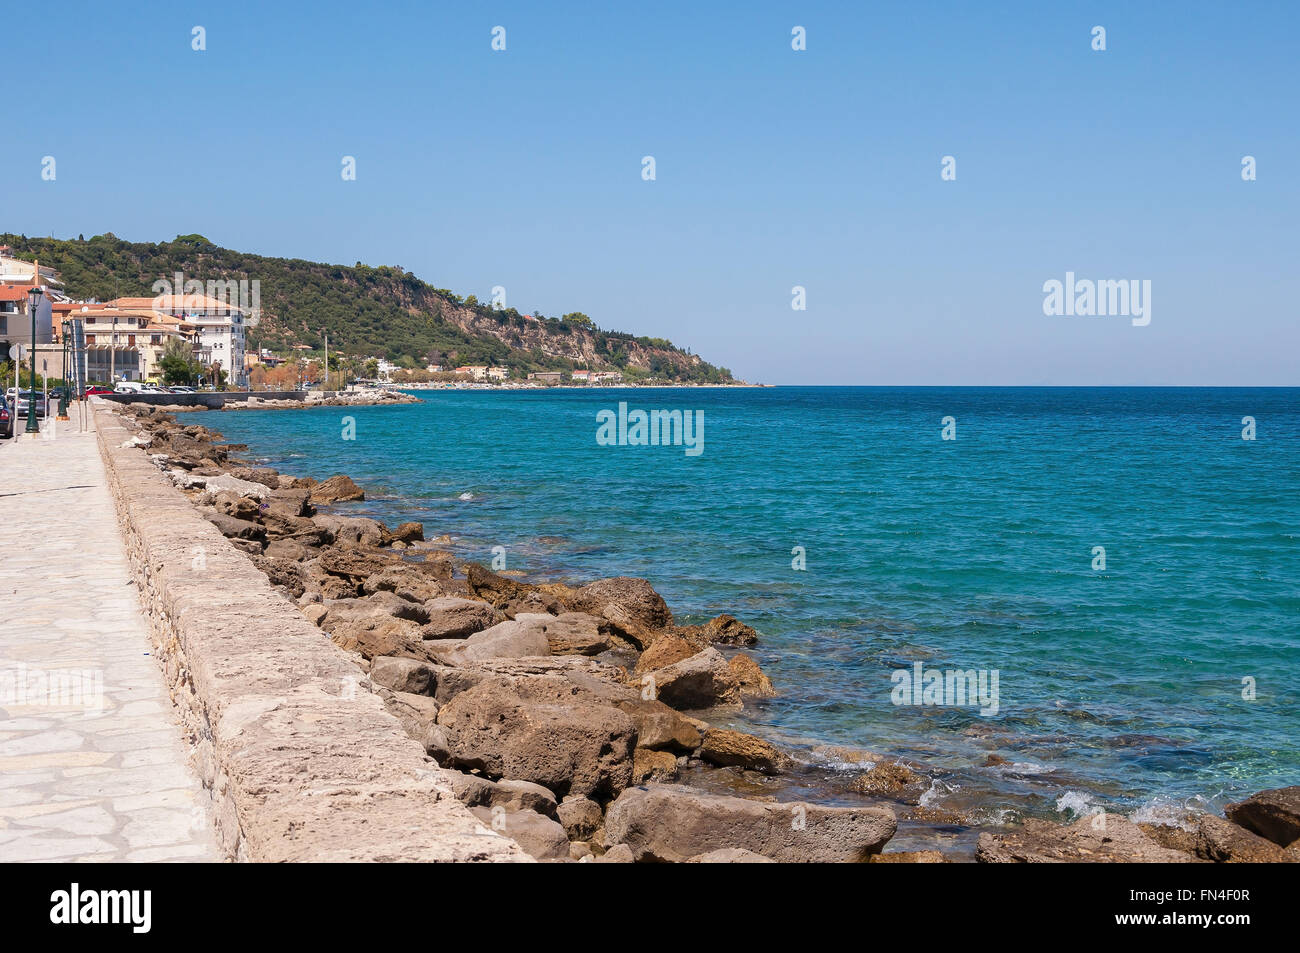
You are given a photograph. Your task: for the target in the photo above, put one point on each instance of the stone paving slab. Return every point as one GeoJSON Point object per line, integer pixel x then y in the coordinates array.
{"type": "Point", "coordinates": [93, 766]}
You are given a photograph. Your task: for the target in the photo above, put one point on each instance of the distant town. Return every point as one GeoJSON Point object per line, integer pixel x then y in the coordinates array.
{"type": "Point", "coordinates": [195, 340]}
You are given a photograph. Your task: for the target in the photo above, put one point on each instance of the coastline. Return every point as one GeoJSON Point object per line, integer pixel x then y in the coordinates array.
{"type": "Point", "coordinates": [626, 622]}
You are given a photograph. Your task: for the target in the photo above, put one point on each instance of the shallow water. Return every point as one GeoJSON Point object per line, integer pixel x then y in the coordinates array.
{"type": "Point", "coordinates": [1120, 687]}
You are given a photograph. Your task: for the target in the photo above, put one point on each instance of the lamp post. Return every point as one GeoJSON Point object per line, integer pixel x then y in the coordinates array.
{"type": "Point", "coordinates": [33, 303]}
{"type": "Point", "coordinates": [63, 398]}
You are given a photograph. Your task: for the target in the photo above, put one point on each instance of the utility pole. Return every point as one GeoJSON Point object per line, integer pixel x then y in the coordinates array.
{"type": "Point", "coordinates": [327, 358]}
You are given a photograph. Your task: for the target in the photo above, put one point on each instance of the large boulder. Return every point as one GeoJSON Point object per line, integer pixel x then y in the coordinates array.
{"type": "Point", "coordinates": [1274, 814]}
{"type": "Point", "coordinates": [291, 502]}
{"type": "Point", "coordinates": [403, 675]}
{"type": "Point", "coordinates": [280, 571]}
{"type": "Point", "coordinates": [350, 531]}
{"type": "Point", "coordinates": [728, 748]}
{"type": "Point", "coordinates": [702, 681]}
{"type": "Point", "coordinates": [650, 765]}
{"type": "Point", "coordinates": [511, 794]}
{"type": "Point", "coordinates": [376, 626]}
{"type": "Point", "coordinates": [509, 595]}
{"type": "Point", "coordinates": [665, 650]}
{"type": "Point", "coordinates": [240, 507]}
{"type": "Point", "coordinates": [1101, 838]}
{"type": "Point", "coordinates": [521, 637]}
{"type": "Point", "coordinates": [337, 489]}
{"type": "Point", "coordinates": [628, 604]}
{"type": "Point", "coordinates": [538, 835]}
{"type": "Point", "coordinates": [573, 747]}
{"type": "Point", "coordinates": [674, 823]}
{"type": "Point", "coordinates": [576, 633]}
{"type": "Point", "coordinates": [288, 549]}
{"type": "Point", "coordinates": [411, 532]}
{"type": "Point", "coordinates": [454, 618]}
{"type": "Point", "coordinates": [407, 580]}
{"type": "Point", "coordinates": [234, 528]}
{"type": "Point", "coordinates": [581, 817]}
{"type": "Point", "coordinates": [1227, 843]}
{"type": "Point", "coordinates": [661, 727]}
{"type": "Point", "coordinates": [415, 712]}
{"type": "Point", "coordinates": [750, 677]}
{"type": "Point", "coordinates": [227, 483]}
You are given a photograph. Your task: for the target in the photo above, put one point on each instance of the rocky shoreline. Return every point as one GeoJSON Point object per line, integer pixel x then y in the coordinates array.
{"type": "Point", "coordinates": [356, 398]}
{"type": "Point", "coordinates": [574, 719]}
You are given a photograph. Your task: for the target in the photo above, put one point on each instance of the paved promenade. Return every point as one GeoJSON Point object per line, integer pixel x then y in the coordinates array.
{"type": "Point", "coordinates": [92, 764]}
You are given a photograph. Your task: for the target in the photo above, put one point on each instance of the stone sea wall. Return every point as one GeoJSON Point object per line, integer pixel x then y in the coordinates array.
{"type": "Point", "coordinates": [301, 760]}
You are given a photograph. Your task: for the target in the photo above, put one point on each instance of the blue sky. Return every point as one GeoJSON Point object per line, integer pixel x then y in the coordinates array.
{"type": "Point", "coordinates": [775, 168]}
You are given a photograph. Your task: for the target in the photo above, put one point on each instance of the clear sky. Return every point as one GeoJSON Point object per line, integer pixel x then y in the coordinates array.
{"type": "Point", "coordinates": [775, 168]}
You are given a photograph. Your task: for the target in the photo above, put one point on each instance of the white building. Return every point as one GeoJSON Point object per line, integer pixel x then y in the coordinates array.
{"type": "Point", "coordinates": [221, 326]}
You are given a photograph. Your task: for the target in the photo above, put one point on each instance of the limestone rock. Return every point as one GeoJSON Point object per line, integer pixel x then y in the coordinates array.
{"type": "Point", "coordinates": [892, 779]}
{"type": "Point", "coordinates": [581, 817]}
{"type": "Point", "coordinates": [454, 618]}
{"type": "Point", "coordinates": [750, 677]}
{"type": "Point", "coordinates": [661, 727]}
{"type": "Point", "coordinates": [649, 765]}
{"type": "Point", "coordinates": [701, 681]}
{"type": "Point", "coordinates": [1227, 843]}
{"type": "Point", "coordinates": [1274, 814]}
{"type": "Point", "coordinates": [733, 855]}
{"type": "Point", "coordinates": [665, 650]}
{"type": "Point", "coordinates": [539, 836]}
{"type": "Point", "coordinates": [735, 748]}
{"type": "Point", "coordinates": [403, 675]}
{"type": "Point", "coordinates": [570, 748]}
{"type": "Point", "coordinates": [630, 605]}
{"type": "Point", "coordinates": [521, 637]}
{"type": "Point", "coordinates": [673, 823]}
{"type": "Point", "coordinates": [337, 489]}
{"type": "Point", "coordinates": [1102, 838]}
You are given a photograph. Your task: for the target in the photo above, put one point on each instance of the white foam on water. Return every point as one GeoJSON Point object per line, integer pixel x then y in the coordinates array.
{"type": "Point", "coordinates": [466, 496]}
{"type": "Point", "coordinates": [1077, 803]}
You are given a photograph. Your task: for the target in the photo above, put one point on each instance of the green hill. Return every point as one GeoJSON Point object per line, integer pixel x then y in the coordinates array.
{"type": "Point", "coordinates": [383, 311]}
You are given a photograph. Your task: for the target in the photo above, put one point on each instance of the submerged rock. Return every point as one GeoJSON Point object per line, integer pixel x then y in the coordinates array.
{"type": "Point", "coordinates": [1102, 838]}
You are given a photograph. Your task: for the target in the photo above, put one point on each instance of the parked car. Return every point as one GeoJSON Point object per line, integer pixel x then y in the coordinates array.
{"type": "Point", "coordinates": [128, 387]}
{"type": "Point", "coordinates": [6, 421]}
{"type": "Point", "coordinates": [182, 389]}
{"type": "Point", "coordinates": [24, 398]}
{"type": "Point", "coordinates": [94, 389]}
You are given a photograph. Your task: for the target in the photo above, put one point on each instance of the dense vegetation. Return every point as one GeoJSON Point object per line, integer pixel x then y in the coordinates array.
{"type": "Point", "coordinates": [366, 310]}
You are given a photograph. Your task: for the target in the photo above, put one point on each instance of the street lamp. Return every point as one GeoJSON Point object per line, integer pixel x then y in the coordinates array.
{"type": "Point", "coordinates": [63, 398]}
{"type": "Point", "coordinates": [34, 301]}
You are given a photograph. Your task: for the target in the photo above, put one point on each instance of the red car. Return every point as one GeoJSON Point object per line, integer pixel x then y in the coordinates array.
{"type": "Point", "coordinates": [96, 389]}
{"type": "Point", "coordinates": [6, 421]}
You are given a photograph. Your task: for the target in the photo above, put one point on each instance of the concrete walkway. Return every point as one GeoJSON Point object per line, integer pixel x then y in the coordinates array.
{"type": "Point", "coordinates": [92, 762]}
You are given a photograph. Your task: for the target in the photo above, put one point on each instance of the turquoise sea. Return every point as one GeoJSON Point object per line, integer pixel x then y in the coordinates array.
{"type": "Point", "coordinates": [1124, 687]}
